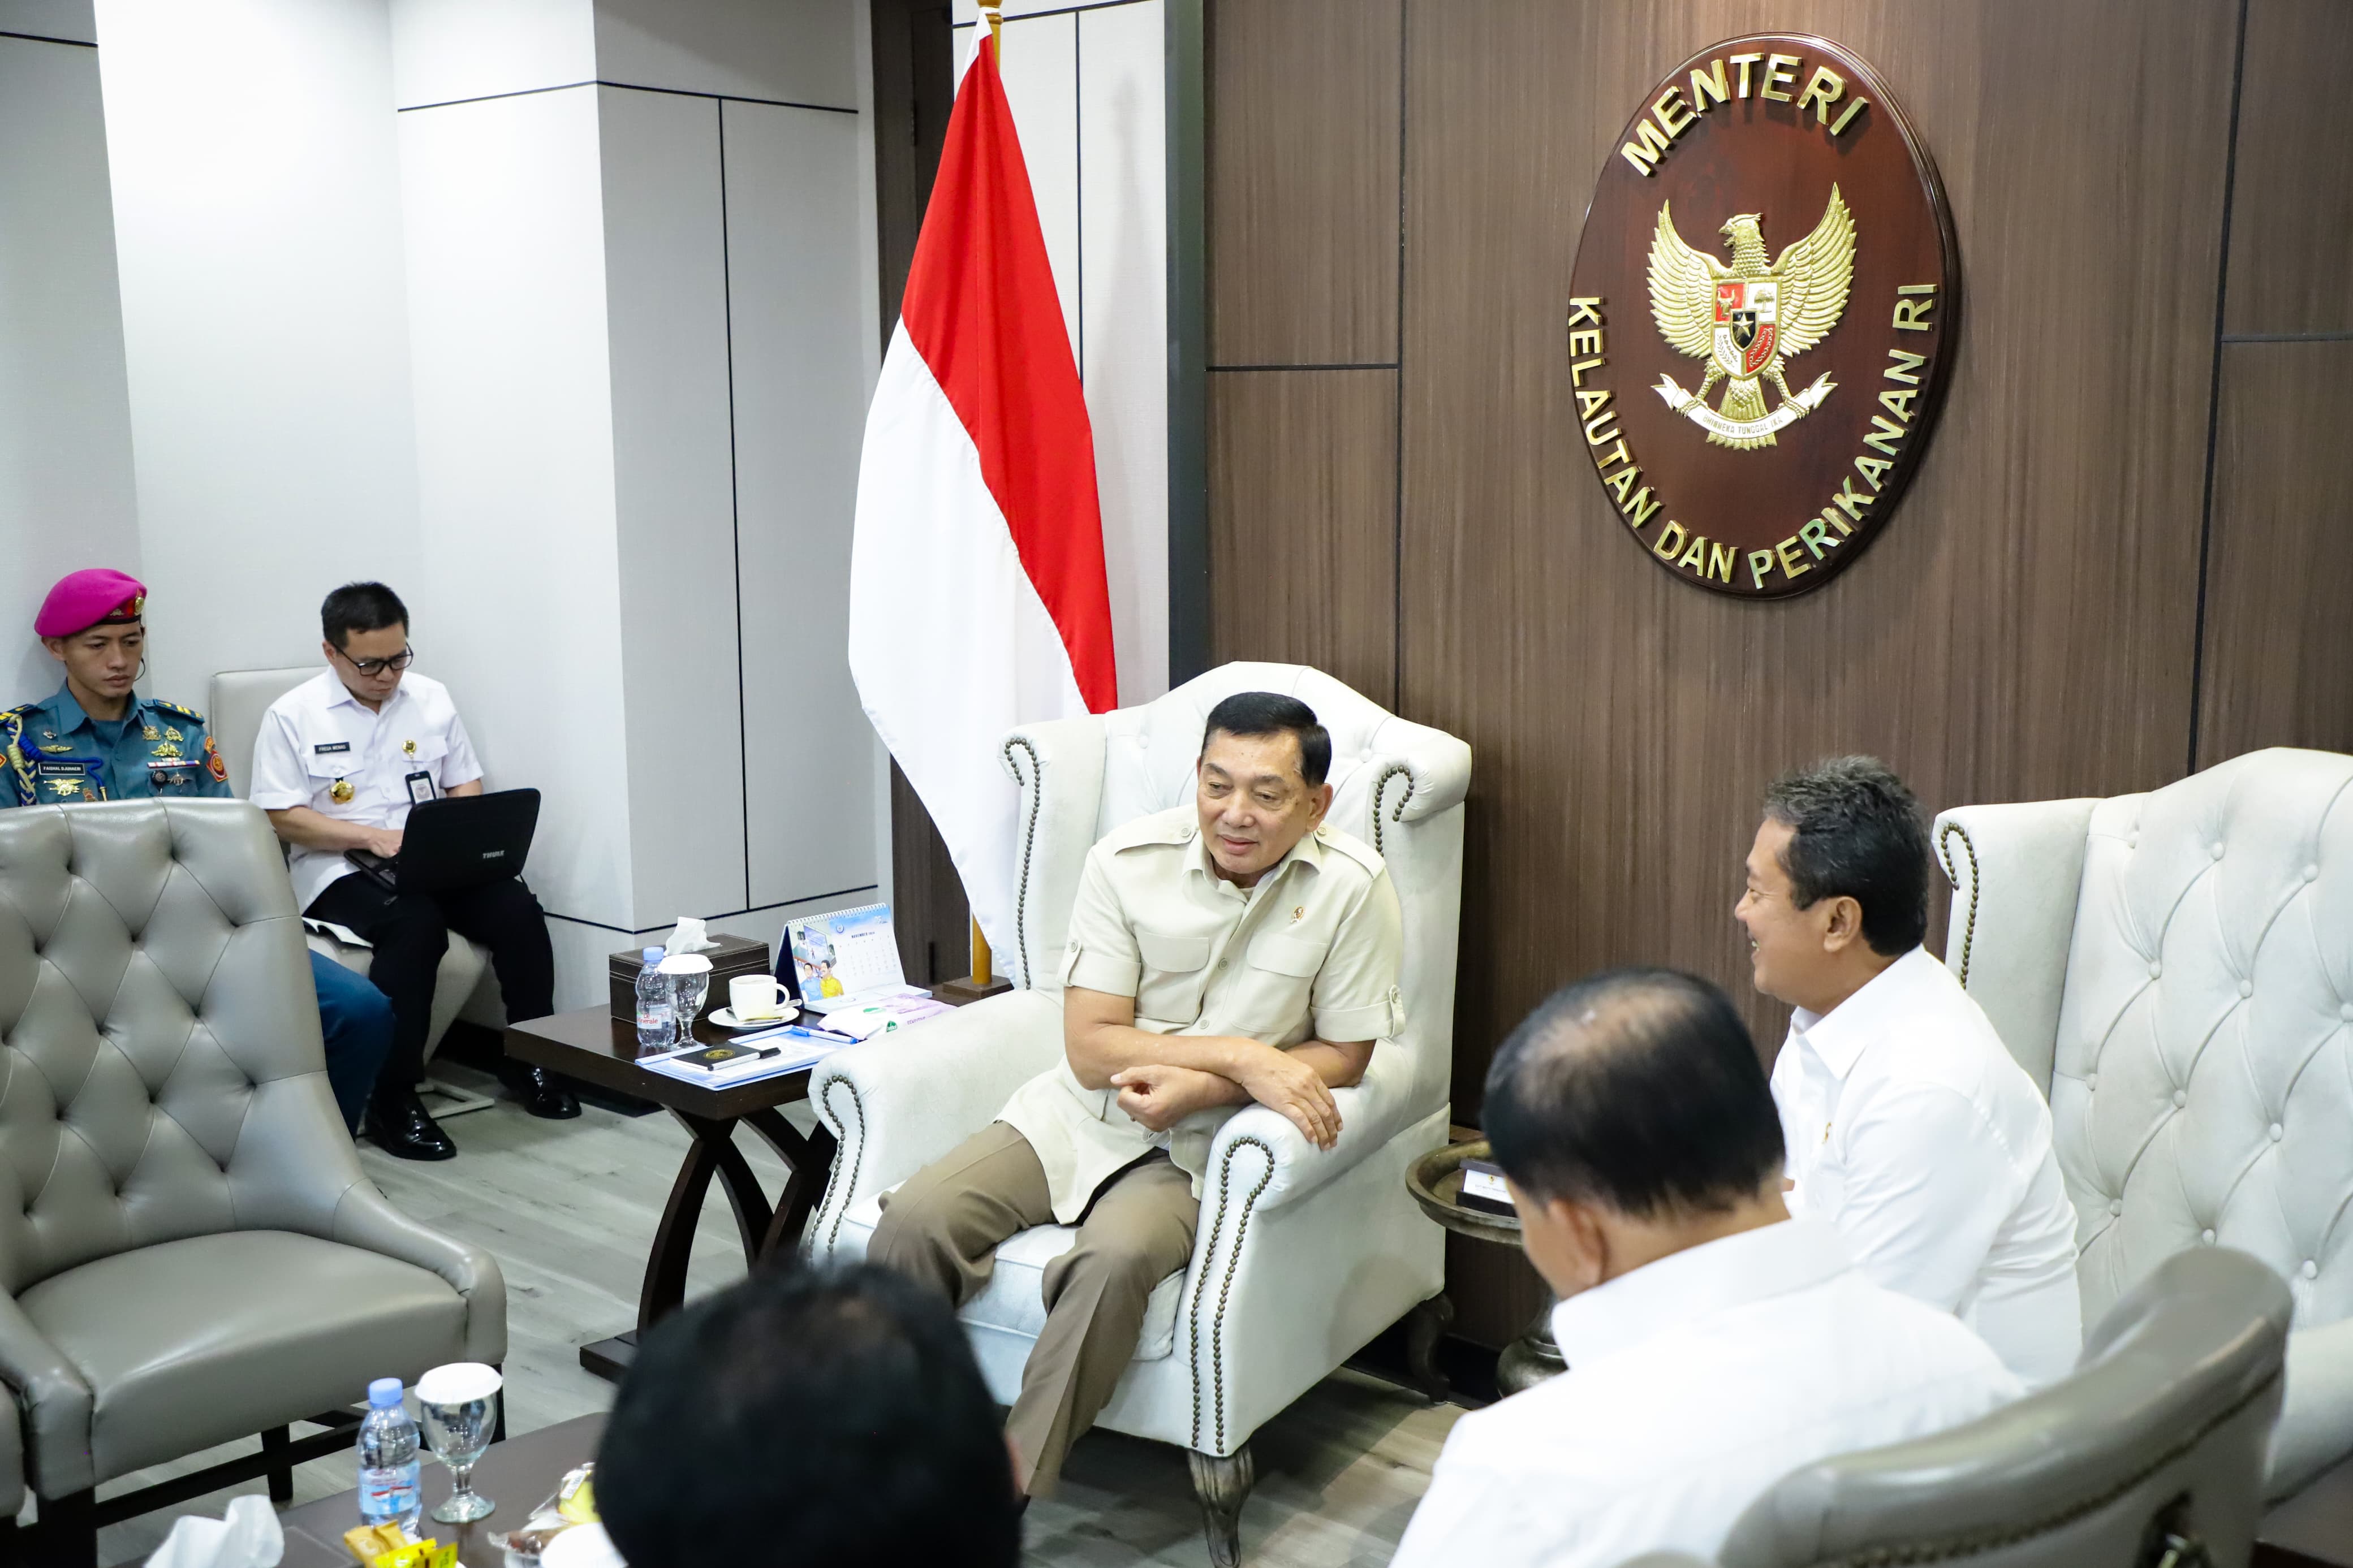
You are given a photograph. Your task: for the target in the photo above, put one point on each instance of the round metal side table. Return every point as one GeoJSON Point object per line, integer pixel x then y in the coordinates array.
{"type": "Point", "coordinates": [1436, 1182]}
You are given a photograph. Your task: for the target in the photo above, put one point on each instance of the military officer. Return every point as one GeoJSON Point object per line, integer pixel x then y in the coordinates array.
{"type": "Point", "coordinates": [97, 739]}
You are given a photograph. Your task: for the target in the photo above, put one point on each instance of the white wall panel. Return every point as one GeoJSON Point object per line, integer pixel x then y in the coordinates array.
{"type": "Point", "coordinates": [798, 51]}
{"type": "Point", "coordinates": [801, 270]}
{"type": "Point", "coordinates": [515, 459]}
{"type": "Point", "coordinates": [1039, 63]}
{"type": "Point", "coordinates": [445, 50]}
{"type": "Point", "coordinates": [67, 498]}
{"type": "Point", "coordinates": [258, 224]}
{"type": "Point", "coordinates": [963, 13]}
{"type": "Point", "coordinates": [666, 308]}
{"type": "Point", "coordinates": [72, 19]}
{"type": "Point", "coordinates": [1124, 257]}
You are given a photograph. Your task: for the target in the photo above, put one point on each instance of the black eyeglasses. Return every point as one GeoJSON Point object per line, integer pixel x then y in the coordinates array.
{"type": "Point", "coordinates": [400, 660]}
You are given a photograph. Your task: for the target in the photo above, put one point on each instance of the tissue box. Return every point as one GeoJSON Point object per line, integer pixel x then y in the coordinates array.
{"type": "Point", "coordinates": [734, 955]}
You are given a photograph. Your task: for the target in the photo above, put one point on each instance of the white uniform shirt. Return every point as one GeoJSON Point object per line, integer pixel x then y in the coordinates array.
{"type": "Point", "coordinates": [319, 734]}
{"type": "Point", "coordinates": [1694, 1384]}
{"type": "Point", "coordinates": [1911, 1129]}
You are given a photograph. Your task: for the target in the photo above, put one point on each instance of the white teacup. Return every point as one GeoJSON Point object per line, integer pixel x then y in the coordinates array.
{"type": "Point", "coordinates": [754, 996]}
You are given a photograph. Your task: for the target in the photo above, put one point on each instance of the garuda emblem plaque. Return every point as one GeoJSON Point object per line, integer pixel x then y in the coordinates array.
{"type": "Point", "coordinates": [1760, 316]}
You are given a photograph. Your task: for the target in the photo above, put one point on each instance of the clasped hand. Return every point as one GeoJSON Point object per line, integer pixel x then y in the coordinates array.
{"type": "Point", "coordinates": [1159, 1096]}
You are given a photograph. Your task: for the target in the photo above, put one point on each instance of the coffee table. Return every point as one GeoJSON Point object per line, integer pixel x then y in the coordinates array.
{"type": "Point", "coordinates": [1436, 1183]}
{"type": "Point", "coordinates": [517, 1474]}
{"type": "Point", "coordinates": [595, 1046]}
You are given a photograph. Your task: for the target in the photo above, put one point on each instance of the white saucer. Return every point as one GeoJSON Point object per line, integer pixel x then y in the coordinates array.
{"type": "Point", "coordinates": [726, 1019]}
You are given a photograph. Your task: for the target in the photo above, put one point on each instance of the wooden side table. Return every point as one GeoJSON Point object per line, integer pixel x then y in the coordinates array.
{"type": "Point", "coordinates": [1436, 1182]}
{"type": "Point", "coordinates": [597, 1047]}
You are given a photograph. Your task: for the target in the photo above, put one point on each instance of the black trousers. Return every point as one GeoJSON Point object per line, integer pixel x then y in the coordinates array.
{"type": "Point", "coordinates": [410, 933]}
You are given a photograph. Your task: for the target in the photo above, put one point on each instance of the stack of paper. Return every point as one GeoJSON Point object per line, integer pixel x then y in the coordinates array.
{"type": "Point", "coordinates": [769, 1053]}
{"type": "Point", "coordinates": [868, 1016]}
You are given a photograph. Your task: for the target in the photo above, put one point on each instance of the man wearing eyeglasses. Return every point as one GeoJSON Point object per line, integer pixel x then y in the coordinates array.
{"type": "Point", "coordinates": [339, 762]}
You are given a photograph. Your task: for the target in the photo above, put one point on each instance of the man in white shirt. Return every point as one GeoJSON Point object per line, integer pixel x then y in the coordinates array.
{"type": "Point", "coordinates": [1714, 1343]}
{"type": "Point", "coordinates": [338, 764]}
{"type": "Point", "coordinates": [1909, 1126]}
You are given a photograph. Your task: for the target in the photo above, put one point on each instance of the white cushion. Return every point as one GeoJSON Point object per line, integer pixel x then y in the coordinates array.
{"type": "Point", "coordinates": [1014, 1301]}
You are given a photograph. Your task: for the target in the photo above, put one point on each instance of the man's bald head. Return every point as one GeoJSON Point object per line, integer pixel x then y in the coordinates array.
{"type": "Point", "coordinates": [1638, 1090]}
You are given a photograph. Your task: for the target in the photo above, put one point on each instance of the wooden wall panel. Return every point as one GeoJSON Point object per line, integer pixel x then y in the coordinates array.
{"type": "Point", "coordinates": [1302, 173]}
{"type": "Point", "coordinates": [2023, 628]}
{"type": "Point", "coordinates": [2278, 668]}
{"type": "Point", "coordinates": [2292, 197]}
{"type": "Point", "coordinates": [1302, 521]}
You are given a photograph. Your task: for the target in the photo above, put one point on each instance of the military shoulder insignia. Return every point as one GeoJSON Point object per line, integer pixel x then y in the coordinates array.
{"type": "Point", "coordinates": [213, 765]}
{"type": "Point", "coordinates": [190, 714]}
{"type": "Point", "coordinates": [1740, 483]}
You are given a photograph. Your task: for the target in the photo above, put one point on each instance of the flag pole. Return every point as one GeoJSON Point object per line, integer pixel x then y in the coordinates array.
{"type": "Point", "coordinates": [984, 981]}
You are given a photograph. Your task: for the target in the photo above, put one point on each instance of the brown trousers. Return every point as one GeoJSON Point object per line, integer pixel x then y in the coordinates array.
{"type": "Point", "coordinates": [943, 1229]}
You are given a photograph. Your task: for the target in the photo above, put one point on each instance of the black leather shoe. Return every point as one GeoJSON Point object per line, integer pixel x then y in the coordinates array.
{"type": "Point", "coordinates": [397, 1123]}
{"type": "Point", "coordinates": [542, 1093]}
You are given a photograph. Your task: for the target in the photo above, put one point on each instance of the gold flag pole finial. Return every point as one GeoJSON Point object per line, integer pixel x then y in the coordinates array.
{"type": "Point", "coordinates": [982, 961]}
{"type": "Point", "coordinates": [996, 29]}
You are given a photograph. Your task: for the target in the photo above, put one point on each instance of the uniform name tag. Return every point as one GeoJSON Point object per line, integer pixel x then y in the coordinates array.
{"type": "Point", "coordinates": [327, 748]}
{"type": "Point", "coordinates": [75, 768]}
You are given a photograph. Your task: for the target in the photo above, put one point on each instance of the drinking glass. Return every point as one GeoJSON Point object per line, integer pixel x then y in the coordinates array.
{"type": "Point", "coordinates": [686, 991]}
{"type": "Point", "coordinates": [458, 1405]}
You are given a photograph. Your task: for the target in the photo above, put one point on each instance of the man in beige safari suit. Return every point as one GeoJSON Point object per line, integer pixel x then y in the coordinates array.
{"type": "Point", "coordinates": [1231, 952]}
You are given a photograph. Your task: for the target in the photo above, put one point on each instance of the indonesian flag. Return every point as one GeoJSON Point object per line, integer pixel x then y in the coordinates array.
{"type": "Point", "coordinates": [977, 599]}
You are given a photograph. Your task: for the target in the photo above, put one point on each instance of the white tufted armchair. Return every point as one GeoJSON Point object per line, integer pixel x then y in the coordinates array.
{"type": "Point", "coordinates": [2177, 969]}
{"type": "Point", "coordinates": [1301, 1257]}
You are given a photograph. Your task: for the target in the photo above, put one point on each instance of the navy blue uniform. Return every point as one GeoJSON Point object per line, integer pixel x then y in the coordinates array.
{"type": "Point", "coordinates": [57, 754]}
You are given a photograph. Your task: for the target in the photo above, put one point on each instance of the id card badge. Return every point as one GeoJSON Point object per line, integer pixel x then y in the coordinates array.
{"type": "Point", "coordinates": [420, 788]}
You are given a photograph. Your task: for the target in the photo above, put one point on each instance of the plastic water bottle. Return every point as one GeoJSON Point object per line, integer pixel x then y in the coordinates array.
{"type": "Point", "coordinates": [388, 1459]}
{"type": "Point", "coordinates": [654, 1013]}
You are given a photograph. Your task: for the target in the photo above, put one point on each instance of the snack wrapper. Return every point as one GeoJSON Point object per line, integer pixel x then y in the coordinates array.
{"type": "Point", "coordinates": [572, 1502]}
{"type": "Point", "coordinates": [388, 1546]}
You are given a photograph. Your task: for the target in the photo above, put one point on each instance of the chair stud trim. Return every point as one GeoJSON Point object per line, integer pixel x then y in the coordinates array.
{"type": "Point", "coordinates": [1976, 883]}
{"type": "Point", "coordinates": [1951, 1547]}
{"type": "Point", "coordinates": [1226, 1287]}
{"type": "Point", "coordinates": [1379, 786]}
{"type": "Point", "coordinates": [1033, 787]}
{"type": "Point", "coordinates": [836, 1182]}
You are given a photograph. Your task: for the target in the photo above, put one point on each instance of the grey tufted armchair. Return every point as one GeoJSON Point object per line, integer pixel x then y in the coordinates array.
{"type": "Point", "coordinates": [2151, 1450]}
{"type": "Point", "coordinates": [2176, 969]}
{"type": "Point", "coordinates": [190, 1252]}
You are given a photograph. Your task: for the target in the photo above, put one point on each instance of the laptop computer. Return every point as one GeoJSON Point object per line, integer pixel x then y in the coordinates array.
{"type": "Point", "coordinates": [456, 842]}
